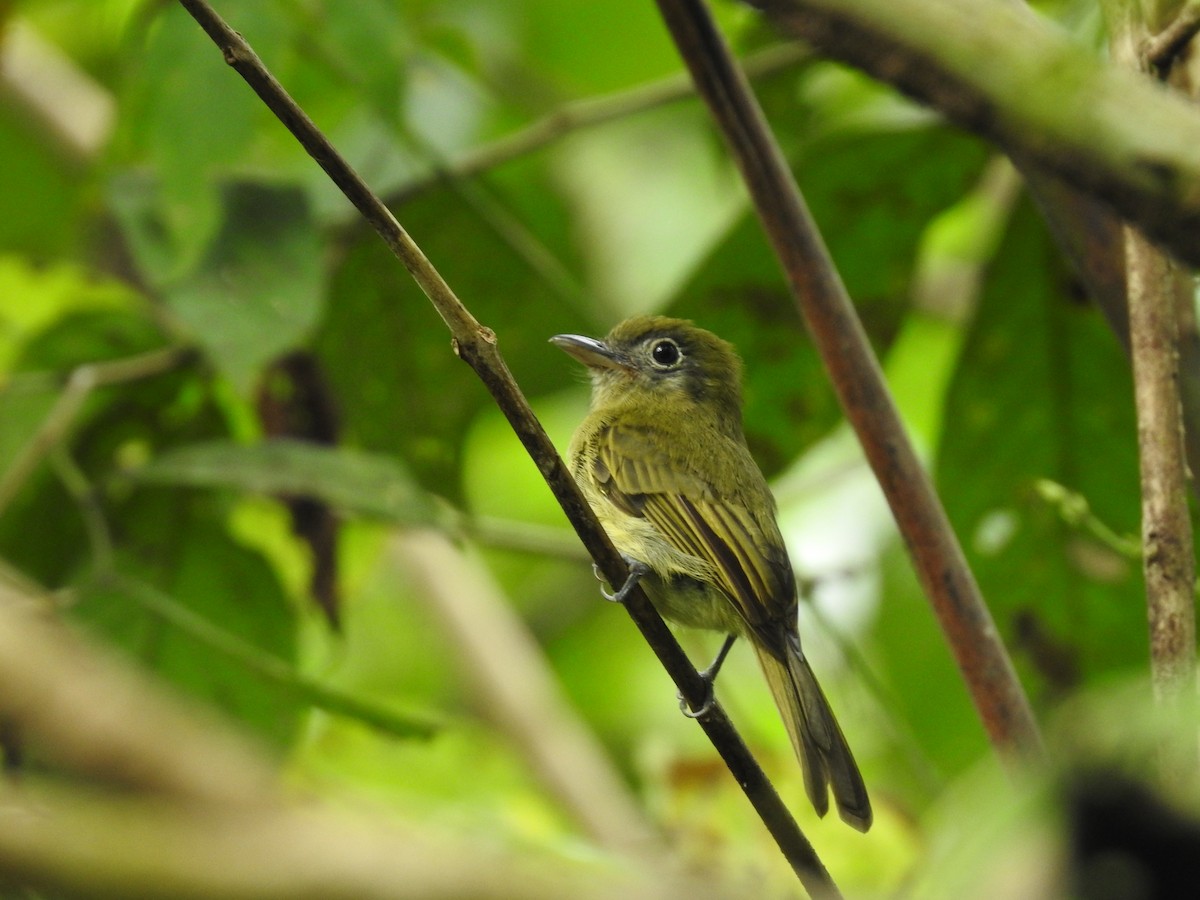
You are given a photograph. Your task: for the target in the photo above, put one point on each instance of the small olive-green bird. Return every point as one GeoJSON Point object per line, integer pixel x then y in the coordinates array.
{"type": "Point", "coordinates": [662, 459]}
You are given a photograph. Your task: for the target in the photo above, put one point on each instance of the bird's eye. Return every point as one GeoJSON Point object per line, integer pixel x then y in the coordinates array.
{"type": "Point", "coordinates": [665, 353]}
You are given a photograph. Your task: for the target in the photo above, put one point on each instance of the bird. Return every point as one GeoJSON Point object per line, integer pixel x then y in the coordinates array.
{"type": "Point", "coordinates": [662, 459]}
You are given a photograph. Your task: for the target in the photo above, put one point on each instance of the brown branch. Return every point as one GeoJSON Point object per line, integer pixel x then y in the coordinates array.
{"type": "Point", "coordinates": [476, 345]}
{"type": "Point", "coordinates": [1015, 79]}
{"type": "Point", "coordinates": [1168, 562]}
{"type": "Point", "coordinates": [1159, 51]}
{"type": "Point", "coordinates": [1157, 289]}
{"type": "Point", "coordinates": [856, 376]}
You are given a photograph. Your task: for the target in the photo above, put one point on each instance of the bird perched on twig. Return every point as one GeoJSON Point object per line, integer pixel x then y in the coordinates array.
{"type": "Point", "coordinates": [663, 461]}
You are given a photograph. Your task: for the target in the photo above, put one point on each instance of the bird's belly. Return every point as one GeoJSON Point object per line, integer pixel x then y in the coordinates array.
{"type": "Point", "coordinates": [682, 587]}
{"type": "Point", "coordinates": [694, 603]}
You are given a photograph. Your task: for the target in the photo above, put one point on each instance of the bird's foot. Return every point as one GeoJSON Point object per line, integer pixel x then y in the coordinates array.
{"type": "Point", "coordinates": [637, 571]}
{"type": "Point", "coordinates": [709, 677]}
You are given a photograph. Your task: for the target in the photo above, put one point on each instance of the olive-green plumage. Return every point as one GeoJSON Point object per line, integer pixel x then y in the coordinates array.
{"type": "Point", "coordinates": [663, 461]}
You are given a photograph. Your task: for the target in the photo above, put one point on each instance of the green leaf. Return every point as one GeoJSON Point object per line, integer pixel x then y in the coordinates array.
{"type": "Point", "coordinates": [258, 290]}
{"type": "Point", "coordinates": [41, 530]}
{"type": "Point", "coordinates": [366, 483]}
{"type": "Point", "coordinates": [274, 671]}
{"type": "Point", "coordinates": [41, 199]}
{"type": "Point", "coordinates": [197, 562]}
{"type": "Point", "coordinates": [1042, 391]}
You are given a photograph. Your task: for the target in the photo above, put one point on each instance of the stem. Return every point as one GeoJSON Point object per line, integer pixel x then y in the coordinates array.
{"type": "Point", "coordinates": [1159, 51]}
{"type": "Point", "coordinates": [267, 667]}
{"type": "Point", "coordinates": [1157, 288]}
{"type": "Point", "coordinates": [588, 114]}
{"type": "Point", "coordinates": [476, 345]}
{"type": "Point", "coordinates": [1169, 562]}
{"type": "Point", "coordinates": [66, 409]}
{"type": "Point", "coordinates": [1073, 508]}
{"type": "Point", "coordinates": [858, 380]}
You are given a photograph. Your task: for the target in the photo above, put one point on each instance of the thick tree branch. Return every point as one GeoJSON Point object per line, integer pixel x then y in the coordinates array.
{"type": "Point", "coordinates": [1157, 290]}
{"type": "Point", "coordinates": [1168, 562]}
{"type": "Point", "coordinates": [476, 345]}
{"type": "Point", "coordinates": [1003, 72]}
{"type": "Point", "coordinates": [859, 383]}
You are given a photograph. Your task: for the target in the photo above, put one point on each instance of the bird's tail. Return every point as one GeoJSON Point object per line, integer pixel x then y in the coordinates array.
{"type": "Point", "coordinates": [816, 737]}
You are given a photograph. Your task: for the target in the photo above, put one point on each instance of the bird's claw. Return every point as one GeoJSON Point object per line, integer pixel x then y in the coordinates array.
{"type": "Point", "coordinates": [709, 677]}
{"type": "Point", "coordinates": [709, 699]}
{"type": "Point", "coordinates": [637, 570]}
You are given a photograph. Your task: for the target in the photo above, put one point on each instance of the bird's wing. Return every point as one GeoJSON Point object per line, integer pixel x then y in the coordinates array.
{"type": "Point", "coordinates": [745, 551]}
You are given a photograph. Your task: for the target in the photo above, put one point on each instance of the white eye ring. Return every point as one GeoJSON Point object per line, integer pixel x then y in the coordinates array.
{"type": "Point", "coordinates": [665, 353]}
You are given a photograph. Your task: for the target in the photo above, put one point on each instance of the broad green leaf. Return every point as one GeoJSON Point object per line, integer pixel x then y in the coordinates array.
{"type": "Point", "coordinates": [365, 483]}
{"type": "Point", "coordinates": [1043, 391]}
{"type": "Point", "coordinates": [41, 198]}
{"type": "Point", "coordinates": [183, 114]}
{"type": "Point", "coordinates": [258, 290]}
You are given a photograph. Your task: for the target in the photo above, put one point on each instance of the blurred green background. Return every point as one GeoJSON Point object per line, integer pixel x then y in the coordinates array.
{"type": "Point", "coordinates": [151, 203]}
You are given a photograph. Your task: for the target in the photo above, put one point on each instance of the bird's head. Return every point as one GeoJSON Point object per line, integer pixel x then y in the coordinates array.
{"type": "Point", "coordinates": [659, 360]}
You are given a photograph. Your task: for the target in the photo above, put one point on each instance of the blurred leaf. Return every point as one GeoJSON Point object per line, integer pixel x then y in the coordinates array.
{"type": "Point", "coordinates": [553, 32]}
{"type": "Point", "coordinates": [21, 412]}
{"type": "Point", "coordinates": [190, 119]}
{"type": "Point", "coordinates": [41, 530]}
{"type": "Point", "coordinates": [40, 201]}
{"type": "Point", "coordinates": [365, 483]}
{"type": "Point", "coordinates": [271, 669]}
{"type": "Point", "coordinates": [221, 581]}
{"type": "Point", "coordinates": [1043, 391]}
{"type": "Point", "coordinates": [258, 290]}
{"type": "Point", "coordinates": [366, 42]}
{"type": "Point", "coordinates": [924, 678]}
{"type": "Point", "coordinates": [43, 293]}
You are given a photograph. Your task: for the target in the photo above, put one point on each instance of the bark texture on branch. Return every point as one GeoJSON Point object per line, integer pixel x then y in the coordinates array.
{"type": "Point", "coordinates": [1158, 289]}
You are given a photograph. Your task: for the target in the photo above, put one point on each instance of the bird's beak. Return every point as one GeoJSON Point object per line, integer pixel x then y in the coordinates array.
{"type": "Point", "coordinates": [592, 353]}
